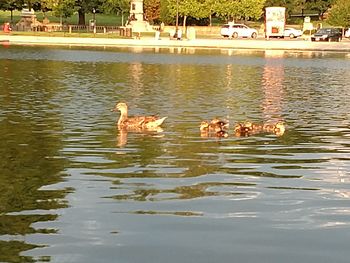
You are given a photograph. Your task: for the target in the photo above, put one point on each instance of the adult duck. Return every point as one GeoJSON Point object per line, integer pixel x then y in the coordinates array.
{"type": "Point", "coordinates": [136, 122]}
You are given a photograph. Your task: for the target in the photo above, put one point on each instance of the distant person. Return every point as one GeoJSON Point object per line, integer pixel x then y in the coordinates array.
{"type": "Point", "coordinates": [179, 34]}
{"type": "Point", "coordinates": [7, 27]}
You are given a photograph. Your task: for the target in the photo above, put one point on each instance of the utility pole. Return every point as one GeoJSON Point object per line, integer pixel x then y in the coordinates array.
{"type": "Point", "coordinates": [177, 18]}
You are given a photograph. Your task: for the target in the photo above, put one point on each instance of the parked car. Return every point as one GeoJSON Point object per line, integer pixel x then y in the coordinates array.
{"type": "Point", "coordinates": [238, 30]}
{"type": "Point", "coordinates": [347, 33]}
{"type": "Point", "coordinates": [327, 34]}
{"type": "Point", "coordinates": [292, 32]}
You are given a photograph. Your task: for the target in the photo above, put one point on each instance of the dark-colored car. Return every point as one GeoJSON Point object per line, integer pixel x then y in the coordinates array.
{"type": "Point", "coordinates": [327, 34]}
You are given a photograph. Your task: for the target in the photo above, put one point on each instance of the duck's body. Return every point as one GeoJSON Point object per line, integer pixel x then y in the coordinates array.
{"type": "Point", "coordinates": [215, 128]}
{"type": "Point", "coordinates": [253, 127]}
{"type": "Point", "coordinates": [209, 127]}
{"type": "Point", "coordinates": [241, 130]}
{"type": "Point", "coordinates": [277, 128]}
{"type": "Point", "coordinates": [136, 122]}
{"type": "Point", "coordinates": [223, 124]}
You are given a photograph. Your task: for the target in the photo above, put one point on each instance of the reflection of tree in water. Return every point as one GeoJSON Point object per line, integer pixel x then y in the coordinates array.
{"type": "Point", "coordinates": [10, 250]}
{"type": "Point", "coordinates": [31, 141]}
{"type": "Point", "coordinates": [181, 192]}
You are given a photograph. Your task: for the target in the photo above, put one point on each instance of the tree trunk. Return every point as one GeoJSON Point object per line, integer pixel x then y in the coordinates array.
{"type": "Point", "coordinates": [81, 17]}
{"type": "Point", "coordinates": [184, 25]}
{"type": "Point", "coordinates": [210, 23]}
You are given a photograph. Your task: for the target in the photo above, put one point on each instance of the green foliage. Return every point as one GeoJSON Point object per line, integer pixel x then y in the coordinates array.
{"type": "Point", "coordinates": [241, 9]}
{"type": "Point", "coordinates": [151, 9]}
{"type": "Point", "coordinates": [11, 4]}
{"type": "Point", "coordinates": [251, 9]}
{"type": "Point", "coordinates": [339, 15]}
{"type": "Point", "coordinates": [297, 6]}
{"type": "Point", "coordinates": [64, 8]}
{"type": "Point", "coordinates": [165, 13]}
{"type": "Point", "coordinates": [321, 6]}
{"type": "Point", "coordinates": [115, 6]}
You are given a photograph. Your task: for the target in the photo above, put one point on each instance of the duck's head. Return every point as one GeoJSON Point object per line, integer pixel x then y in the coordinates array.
{"type": "Point", "coordinates": [121, 106]}
{"type": "Point", "coordinates": [238, 127]}
{"type": "Point", "coordinates": [204, 126]}
{"type": "Point", "coordinates": [280, 128]}
{"type": "Point", "coordinates": [248, 125]}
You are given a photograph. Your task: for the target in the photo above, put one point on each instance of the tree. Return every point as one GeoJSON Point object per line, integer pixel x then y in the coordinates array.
{"type": "Point", "coordinates": [339, 14]}
{"type": "Point", "coordinates": [210, 7]}
{"type": "Point", "coordinates": [241, 9]}
{"type": "Point", "coordinates": [166, 13]}
{"type": "Point", "coordinates": [119, 7]}
{"type": "Point", "coordinates": [11, 5]}
{"type": "Point", "coordinates": [63, 8]}
{"type": "Point", "coordinates": [151, 9]}
{"type": "Point", "coordinates": [251, 9]}
{"type": "Point", "coordinates": [85, 6]}
{"type": "Point", "coordinates": [184, 8]}
{"type": "Point", "coordinates": [321, 6]}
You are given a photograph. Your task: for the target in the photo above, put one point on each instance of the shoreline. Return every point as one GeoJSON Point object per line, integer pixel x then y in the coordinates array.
{"type": "Point", "coordinates": [220, 43]}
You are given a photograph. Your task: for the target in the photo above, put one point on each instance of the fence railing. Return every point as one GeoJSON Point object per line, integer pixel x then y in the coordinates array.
{"type": "Point", "coordinates": [78, 29]}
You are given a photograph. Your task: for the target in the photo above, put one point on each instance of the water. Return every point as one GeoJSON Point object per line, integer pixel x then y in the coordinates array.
{"type": "Point", "coordinates": [75, 189]}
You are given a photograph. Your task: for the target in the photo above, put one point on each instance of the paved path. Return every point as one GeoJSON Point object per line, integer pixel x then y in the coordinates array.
{"type": "Point", "coordinates": [262, 44]}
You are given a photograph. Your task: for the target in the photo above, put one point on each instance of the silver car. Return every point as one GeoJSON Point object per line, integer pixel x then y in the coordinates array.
{"type": "Point", "coordinates": [292, 32]}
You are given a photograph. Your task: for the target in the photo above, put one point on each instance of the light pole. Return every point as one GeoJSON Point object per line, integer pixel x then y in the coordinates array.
{"type": "Point", "coordinates": [177, 18]}
{"type": "Point", "coordinates": [94, 19]}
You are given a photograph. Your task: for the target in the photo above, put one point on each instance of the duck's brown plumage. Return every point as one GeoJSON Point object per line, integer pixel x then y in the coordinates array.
{"type": "Point", "coordinates": [248, 128]}
{"type": "Point", "coordinates": [215, 128]}
{"type": "Point", "coordinates": [140, 122]}
{"type": "Point", "coordinates": [277, 128]}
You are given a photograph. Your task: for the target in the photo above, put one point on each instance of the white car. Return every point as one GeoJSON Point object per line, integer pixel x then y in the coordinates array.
{"type": "Point", "coordinates": [347, 33]}
{"type": "Point", "coordinates": [292, 32]}
{"type": "Point", "coordinates": [238, 30]}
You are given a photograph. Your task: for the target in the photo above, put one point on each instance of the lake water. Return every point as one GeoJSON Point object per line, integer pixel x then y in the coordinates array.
{"type": "Point", "coordinates": [75, 189]}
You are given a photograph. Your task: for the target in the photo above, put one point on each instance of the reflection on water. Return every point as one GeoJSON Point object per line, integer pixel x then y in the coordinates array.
{"type": "Point", "coordinates": [75, 188]}
{"type": "Point", "coordinates": [272, 84]}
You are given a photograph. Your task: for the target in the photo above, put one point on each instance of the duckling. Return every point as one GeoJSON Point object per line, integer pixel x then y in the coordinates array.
{"type": "Point", "coordinates": [241, 130]}
{"type": "Point", "coordinates": [277, 128]}
{"type": "Point", "coordinates": [221, 133]}
{"type": "Point", "coordinates": [214, 128]}
{"type": "Point", "coordinates": [222, 123]}
{"type": "Point", "coordinates": [253, 127]}
{"type": "Point", "coordinates": [142, 122]}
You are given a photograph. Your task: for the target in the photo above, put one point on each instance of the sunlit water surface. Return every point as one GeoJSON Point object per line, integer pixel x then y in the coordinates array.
{"type": "Point", "coordinates": [75, 189]}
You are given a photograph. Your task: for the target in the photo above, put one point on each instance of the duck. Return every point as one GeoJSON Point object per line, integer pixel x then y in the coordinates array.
{"type": "Point", "coordinates": [209, 127]}
{"type": "Point", "coordinates": [215, 127]}
{"type": "Point", "coordinates": [278, 128]}
{"type": "Point", "coordinates": [240, 130]}
{"type": "Point", "coordinates": [247, 128]}
{"type": "Point", "coordinates": [136, 122]}
{"type": "Point", "coordinates": [253, 127]}
{"type": "Point", "coordinates": [224, 124]}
